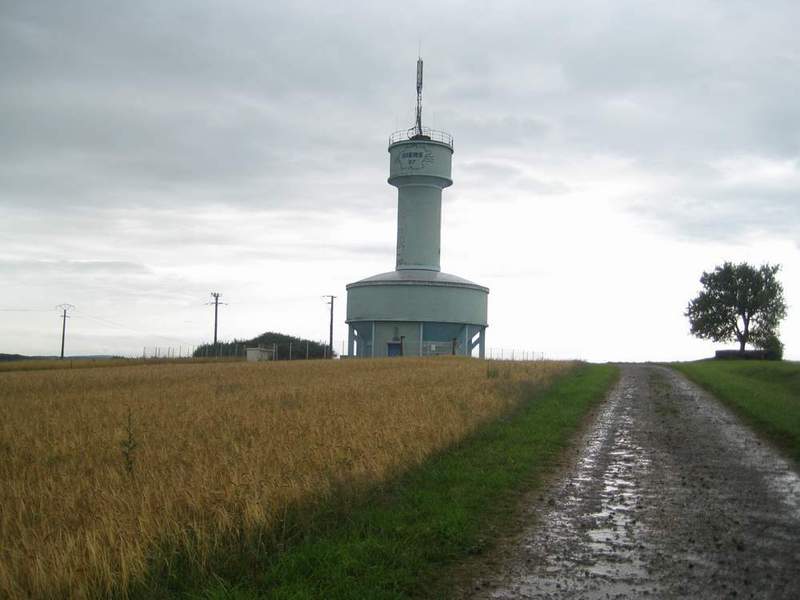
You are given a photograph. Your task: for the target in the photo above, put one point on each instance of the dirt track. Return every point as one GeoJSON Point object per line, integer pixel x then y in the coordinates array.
{"type": "Point", "coordinates": [669, 496]}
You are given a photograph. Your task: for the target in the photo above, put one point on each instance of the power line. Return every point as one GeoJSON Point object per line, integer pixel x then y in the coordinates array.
{"type": "Point", "coordinates": [121, 326]}
{"type": "Point", "coordinates": [104, 321]}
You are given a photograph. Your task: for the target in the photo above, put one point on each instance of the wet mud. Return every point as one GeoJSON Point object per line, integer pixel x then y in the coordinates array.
{"type": "Point", "coordinates": [669, 495]}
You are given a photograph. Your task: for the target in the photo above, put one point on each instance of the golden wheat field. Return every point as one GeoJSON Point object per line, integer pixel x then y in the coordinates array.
{"type": "Point", "coordinates": [94, 363]}
{"type": "Point", "coordinates": [99, 466]}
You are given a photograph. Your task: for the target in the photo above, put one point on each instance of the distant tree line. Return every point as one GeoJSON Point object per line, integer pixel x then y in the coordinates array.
{"type": "Point", "coordinates": [270, 339]}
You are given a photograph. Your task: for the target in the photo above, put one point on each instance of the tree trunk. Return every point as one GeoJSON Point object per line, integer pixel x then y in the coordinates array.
{"type": "Point", "coordinates": [745, 331]}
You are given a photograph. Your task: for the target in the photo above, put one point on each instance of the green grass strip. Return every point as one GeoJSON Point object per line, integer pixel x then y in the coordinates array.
{"type": "Point", "coordinates": [397, 542]}
{"type": "Point", "coordinates": [765, 393]}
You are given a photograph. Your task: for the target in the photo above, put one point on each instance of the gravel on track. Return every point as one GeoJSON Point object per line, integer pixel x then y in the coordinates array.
{"type": "Point", "coordinates": [668, 496]}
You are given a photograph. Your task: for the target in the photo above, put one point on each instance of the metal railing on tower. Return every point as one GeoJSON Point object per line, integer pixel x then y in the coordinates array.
{"type": "Point", "coordinates": [434, 135]}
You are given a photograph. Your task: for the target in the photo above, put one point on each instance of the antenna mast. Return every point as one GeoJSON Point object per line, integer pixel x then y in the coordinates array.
{"type": "Point", "coordinates": [418, 125]}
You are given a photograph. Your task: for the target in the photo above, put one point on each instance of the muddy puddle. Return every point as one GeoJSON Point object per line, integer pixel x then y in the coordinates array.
{"type": "Point", "coordinates": [669, 496]}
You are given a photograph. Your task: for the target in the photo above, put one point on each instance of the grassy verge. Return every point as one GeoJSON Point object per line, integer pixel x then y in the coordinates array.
{"type": "Point", "coordinates": [395, 541]}
{"type": "Point", "coordinates": [766, 394]}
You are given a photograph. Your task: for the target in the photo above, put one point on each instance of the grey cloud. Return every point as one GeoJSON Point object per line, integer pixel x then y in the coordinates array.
{"type": "Point", "coordinates": [154, 101]}
{"type": "Point", "coordinates": [98, 282]}
{"type": "Point", "coordinates": [708, 202]}
{"type": "Point", "coordinates": [44, 268]}
{"type": "Point", "coordinates": [307, 250]}
{"type": "Point", "coordinates": [491, 174]}
{"type": "Point", "coordinates": [541, 187]}
{"type": "Point", "coordinates": [265, 105]}
{"type": "Point", "coordinates": [724, 216]}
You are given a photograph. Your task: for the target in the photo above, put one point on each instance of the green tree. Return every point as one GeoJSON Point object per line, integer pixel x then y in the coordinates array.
{"type": "Point", "coordinates": [738, 302]}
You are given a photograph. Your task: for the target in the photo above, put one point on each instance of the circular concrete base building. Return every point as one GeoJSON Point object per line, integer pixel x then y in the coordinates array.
{"type": "Point", "coordinates": [416, 309]}
{"type": "Point", "coordinates": [416, 312]}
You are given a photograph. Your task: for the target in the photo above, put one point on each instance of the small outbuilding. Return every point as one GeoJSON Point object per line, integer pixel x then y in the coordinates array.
{"type": "Point", "coordinates": [259, 354]}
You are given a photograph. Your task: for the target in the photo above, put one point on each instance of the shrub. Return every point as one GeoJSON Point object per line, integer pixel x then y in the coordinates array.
{"type": "Point", "coordinates": [773, 347]}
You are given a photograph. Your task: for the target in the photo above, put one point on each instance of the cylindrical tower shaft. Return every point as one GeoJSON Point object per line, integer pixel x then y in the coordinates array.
{"type": "Point", "coordinates": [420, 169]}
{"type": "Point", "coordinates": [419, 221]}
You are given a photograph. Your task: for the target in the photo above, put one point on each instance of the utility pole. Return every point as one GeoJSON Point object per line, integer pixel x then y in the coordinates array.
{"type": "Point", "coordinates": [330, 334]}
{"type": "Point", "coordinates": [216, 303]}
{"type": "Point", "coordinates": [64, 308]}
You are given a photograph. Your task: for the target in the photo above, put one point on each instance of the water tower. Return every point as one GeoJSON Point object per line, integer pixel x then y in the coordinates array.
{"type": "Point", "coordinates": [416, 309]}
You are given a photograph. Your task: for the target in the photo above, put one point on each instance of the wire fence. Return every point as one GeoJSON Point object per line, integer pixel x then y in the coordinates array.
{"type": "Point", "coordinates": [168, 352]}
{"type": "Point", "coordinates": [300, 351]}
{"type": "Point", "coordinates": [513, 354]}
{"type": "Point", "coordinates": [285, 351]}
{"type": "Point", "coordinates": [193, 351]}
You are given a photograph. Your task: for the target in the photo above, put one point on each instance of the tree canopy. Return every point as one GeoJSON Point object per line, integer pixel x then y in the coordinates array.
{"type": "Point", "coordinates": [282, 342]}
{"type": "Point", "coordinates": [738, 302]}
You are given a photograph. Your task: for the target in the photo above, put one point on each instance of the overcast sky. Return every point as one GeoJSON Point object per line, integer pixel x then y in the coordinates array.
{"type": "Point", "coordinates": [606, 153]}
